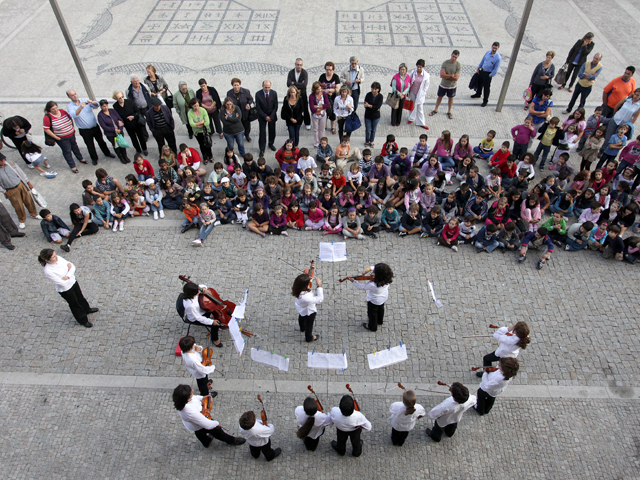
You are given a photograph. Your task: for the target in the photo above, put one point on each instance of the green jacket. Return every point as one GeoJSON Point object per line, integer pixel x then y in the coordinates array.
{"type": "Point", "coordinates": [549, 226]}
{"type": "Point", "coordinates": [180, 104]}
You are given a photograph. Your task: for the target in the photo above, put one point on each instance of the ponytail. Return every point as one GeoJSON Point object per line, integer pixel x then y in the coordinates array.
{"type": "Point", "coordinates": [304, 430]}
{"type": "Point", "coordinates": [310, 408]}
{"type": "Point", "coordinates": [521, 329]}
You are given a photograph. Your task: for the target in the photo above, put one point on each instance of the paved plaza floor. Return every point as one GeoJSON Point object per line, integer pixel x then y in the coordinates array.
{"type": "Point", "coordinates": [78, 402]}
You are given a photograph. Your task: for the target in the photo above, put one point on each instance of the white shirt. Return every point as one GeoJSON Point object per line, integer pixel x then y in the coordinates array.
{"type": "Point", "coordinates": [191, 417]}
{"type": "Point", "coordinates": [307, 301]}
{"type": "Point", "coordinates": [350, 423]}
{"type": "Point", "coordinates": [356, 177]}
{"type": "Point", "coordinates": [376, 295]}
{"type": "Point", "coordinates": [450, 411]}
{"type": "Point", "coordinates": [258, 435]}
{"type": "Point", "coordinates": [321, 420]}
{"type": "Point", "coordinates": [56, 271]}
{"type": "Point", "coordinates": [193, 362]}
{"type": "Point", "coordinates": [508, 344]}
{"type": "Point", "coordinates": [626, 112]}
{"type": "Point", "coordinates": [193, 312]}
{"type": "Point", "coordinates": [494, 383]}
{"type": "Point", "coordinates": [308, 163]}
{"type": "Point", "coordinates": [340, 106]}
{"type": "Point", "coordinates": [402, 422]}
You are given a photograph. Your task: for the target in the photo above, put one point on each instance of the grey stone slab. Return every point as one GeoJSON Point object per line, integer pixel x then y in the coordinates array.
{"type": "Point", "coordinates": [27, 378]}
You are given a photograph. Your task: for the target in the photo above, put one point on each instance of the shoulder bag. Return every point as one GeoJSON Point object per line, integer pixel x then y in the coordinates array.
{"type": "Point", "coordinates": [49, 140]}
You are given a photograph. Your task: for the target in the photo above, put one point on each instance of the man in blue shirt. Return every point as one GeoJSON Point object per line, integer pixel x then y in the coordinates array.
{"type": "Point", "coordinates": [81, 111]}
{"type": "Point", "coordinates": [487, 69]}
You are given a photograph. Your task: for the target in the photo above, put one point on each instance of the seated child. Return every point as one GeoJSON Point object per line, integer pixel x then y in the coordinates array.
{"type": "Point", "coordinates": [259, 220]}
{"type": "Point", "coordinates": [143, 168]}
{"type": "Point", "coordinates": [485, 148]}
{"type": "Point", "coordinates": [463, 195]}
{"type": "Point", "coordinates": [215, 178]}
{"type": "Point", "coordinates": [228, 189]}
{"type": "Point", "coordinates": [225, 211]}
{"type": "Point", "coordinates": [363, 200]}
{"type": "Point", "coordinates": [171, 195]}
{"type": "Point", "coordinates": [315, 220]}
{"type": "Point", "coordinates": [292, 179]}
{"type": "Point", "coordinates": [420, 151]}
{"type": "Point", "coordinates": [119, 210]}
{"type": "Point", "coordinates": [401, 165]}
{"type": "Point", "coordinates": [613, 246]}
{"type": "Point", "coordinates": [207, 222]}
{"type": "Point", "coordinates": [230, 160]}
{"type": "Point", "coordinates": [578, 236]}
{"type": "Point", "coordinates": [325, 153]}
{"type": "Point", "coordinates": [390, 219]}
{"type": "Point", "coordinates": [295, 217]}
{"type": "Point", "coordinates": [366, 162]}
{"type": "Point", "coordinates": [346, 200]}
{"type": "Point", "coordinates": [354, 176]}
{"type": "Point", "coordinates": [241, 207]}
{"type": "Point", "coordinates": [432, 223]}
{"type": "Point", "coordinates": [371, 222]}
{"type": "Point", "coordinates": [380, 194]}
{"type": "Point", "coordinates": [191, 213]}
{"type": "Point", "coordinates": [557, 228]}
{"type": "Point", "coordinates": [449, 236]}
{"type": "Point", "coordinates": [508, 237]}
{"type": "Point", "coordinates": [306, 198]}
{"type": "Point", "coordinates": [264, 170]}
{"type": "Point", "coordinates": [389, 150]}
{"type": "Point", "coordinates": [192, 190]}
{"type": "Point", "coordinates": [324, 179]}
{"type": "Point", "coordinates": [138, 205]}
{"type": "Point", "coordinates": [305, 161]}
{"type": "Point", "coordinates": [310, 179]}
{"type": "Point", "coordinates": [278, 221]}
{"type": "Point", "coordinates": [153, 197]}
{"type": "Point", "coordinates": [333, 221]}
{"type": "Point", "coordinates": [468, 229]}
{"type": "Point", "coordinates": [239, 178]}
{"type": "Point", "coordinates": [477, 207]}
{"type": "Point", "coordinates": [53, 227]}
{"type": "Point", "coordinates": [101, 213]}
{"type": "Point", "coordinates": [449, 207]}
{"type": "Point", "coordinates": [351, 225]}
{"type": "Point", "coordinates": [487, 239]}
{"type": "Point", "coordinates": [538, 240]}
{"type": "Point", "coordinates": [346, 153]}
{"type": "Point", "coordinates": [411, 222]}
{"type": "Point", "coordinates": [274, 191]}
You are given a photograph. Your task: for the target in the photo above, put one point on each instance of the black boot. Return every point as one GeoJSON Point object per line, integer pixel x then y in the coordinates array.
{"type": "Point", "coordinates": [120, 156]}
{"type": "Point", "coordinates": [126, 157]}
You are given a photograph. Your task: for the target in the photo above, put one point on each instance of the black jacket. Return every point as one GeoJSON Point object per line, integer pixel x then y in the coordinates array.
{"type": "Point", "coordinates": [288, 112]}
{"type": "Point", "coordinates": [241, 99]}
{"type": "Point", "coordinates": [214, 96]}
{"type": "Point", "coordinates": [559, 134]}
{"type": "Point", "coordinates": [265, 110]}
{"type": "Point", "coordinates": [10, 132]}
{"type": "Point", "coordinates": [302, 82]}
{"type": "Point", "coordinates": [586, 50]}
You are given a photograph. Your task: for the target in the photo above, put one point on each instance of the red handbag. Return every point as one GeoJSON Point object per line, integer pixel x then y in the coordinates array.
{"type": "Point", "coordinates": [178, 350]}
{"type": "Point", "coordinates": [408, 105]}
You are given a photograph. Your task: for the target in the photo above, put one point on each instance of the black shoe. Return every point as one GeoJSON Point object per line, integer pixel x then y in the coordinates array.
{"type": "Point", "coordinates": [248, 138]}
{"type": "Point", "coordinates": [302, 329]}
{"type": "Point", "coordinates": [110, 155]}
{"type": "Point", "coordinates": [213, 394]}
{"type": "Point", "coordinates": [361, 441]}
{"type": "Point", "coordinates": [272, 147]}
{"type": "Point", "coordinates": [315, 337]}
{"type": "Point", "coordinates": [219, 345]}
{"type": "Point", "coordinates": [184, 229]}
{"type": "Point", "coordinates": [366, 325]}
{"type": "Point", "coordinates": [66, 248]}
{"type": "Point", "coordinates": [94, 310]}
{"type": "Point", "coordinates": [19, 234]}
{"type": "Point", "coordinates": [475, 96]}
{"type": "Point", "coordinates": [428, 432]}
{"type": "Point", "coordinates": [334, 445]}
{"type": "Point", "coordinates": [88, 324]}
{"type": "Point", "coordinates": [261, 154]}
{"type": "Point", "coordinates": [146, 152]}
{"type": "Point", "coordinates": [238, 441]}
{"type": "Point", "coordinates": [484, 104]}
{"type": "Point", "coordinates": [95, 162]}
{"type": "Point", "coordinates": [10, 247]}
{"type": "Point", "coordinates": [277, 451]}
{"type": "Point", "coordinates": [191, 136]}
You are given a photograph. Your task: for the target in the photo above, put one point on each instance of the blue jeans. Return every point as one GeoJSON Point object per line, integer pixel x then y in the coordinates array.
{"type": "Point", "coordinates": [482, 154]}
{"type": "Point", "coordinates": [239, 138]}
{"type": "Point", "coordinates": [142, 177]}
{"type": "Point", "coordinates": [427, 231]}
{"type": "Point", "coordinates": [370, 129]}
{"type": "Point", "coordinates": [154, 208]}
{"type": "Point", "coordinates": [489, 247]}
{"type": "Point", "coordinates": [545, 152]}
{"type": "Point", "coordinates": [294, 133]}
{"type": "Point", "coordinates": [205, 231]}
{"type": "Point", "coordinates": [69, 145]}
{"type": "Point", "coordinates": [391, 227]}
{"type": "Point", "coordinates": [519, 150]}
{"type": "Point", "coordinates": [574, 246]}
{"type": "Point", "coordinates": [447, 163]}
{"type": "Point", "coordinates": [186, 222]}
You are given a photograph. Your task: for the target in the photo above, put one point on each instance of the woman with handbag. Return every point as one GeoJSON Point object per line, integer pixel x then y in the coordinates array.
{"type": "Point", "coordinates": [17, 128]}
{"type": "Point", "coordinates": [577, 56]}
{"type": "Point", "coordinates": [400, 86]}
{"type": "Point", "coordinates": [243, 99]}
{"type": "Point", "coordinates": [232, 125]}
{"type": "Point", "coordinates": [158, 87]}
{"type": "Point", "coordinates": [132, 121]}
{"type": "Point", "coordinates": [342, 107]}
{"type": "Point", "coordinates": [292, 113]}
{"type": "Point", "coordinates": [112, 124]}
{"type": "Point", "coordinates": [541, 77]}
{"type": "Point", "coordinates": [58, 128]}
{"type": "Point", "coordinates": [181, 102]}
{"type": "Point", "coordinates": [210, 101]}
{"type": "Point", "coordinates": [318, 104]}
{"type": "Point", "coordinates": [200, 124]}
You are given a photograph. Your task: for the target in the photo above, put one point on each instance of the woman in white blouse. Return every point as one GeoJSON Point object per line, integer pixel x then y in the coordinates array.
{"type": "Point", "coordinates": [342, 107]}
{"type": "Point", "coordinates": [306, 304]}
{"type": "Point", "coordinates": [62, 274]}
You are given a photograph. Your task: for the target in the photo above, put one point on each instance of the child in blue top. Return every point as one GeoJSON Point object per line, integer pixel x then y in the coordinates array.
{"type": "Point", "coordinates": [420, 151]}
{"type": "Point", "coordinates": [390, 220]}
{"type": "Point", "coordinates": [325, 152]}
{"type": "Point", "coordinates": [616, 143]}
{"type": "Point", "coordinates": [487, 238]}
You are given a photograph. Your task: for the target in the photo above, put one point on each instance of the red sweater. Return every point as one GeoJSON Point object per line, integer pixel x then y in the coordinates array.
{"type": "Point", "coordinates": [499, 156]}
{"type": "Point", "coordinates": [145, 169]}
{"type": "Point", "coordinates": [297, 217]}
{"type": "Point", "coordinates": [505, 170]}
{"type": "Point", "coordinates": [449, 233]}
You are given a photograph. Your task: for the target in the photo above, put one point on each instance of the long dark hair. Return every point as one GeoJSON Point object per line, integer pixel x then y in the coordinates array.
{"type": "Point", "coordinates": [45, 256]}
{"type": "Point", "coordinates": [190, 290]}
{"type": "Point", "coordinates": [181, 396]}
{"type": "Point", "coordinates": [74, 218]}
{"type": "Point", "coordinates": [300, 284]}
{"type": "Point", "coordinates": [521, 330]}
{"type": "Point", "coordinates": [310, 408]}
{"type": "Point", "coordinates": [383, 275]}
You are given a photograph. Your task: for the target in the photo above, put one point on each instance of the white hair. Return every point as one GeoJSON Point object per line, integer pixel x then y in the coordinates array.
{"type": "Point", "coordinates": [133, 76]}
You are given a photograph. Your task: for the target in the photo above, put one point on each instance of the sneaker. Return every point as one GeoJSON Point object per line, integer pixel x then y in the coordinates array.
{"type": "Point", "coordinates": [44, 174]}
{"type": "Point", "coordinates": [21, 226]}
{"type": "Point", "coordinates": [566, 112]}
{"type": "Point", "coordinates": [121, 226]}
{"type": "Point", "coordinates": [161, 213]}
{"type": "Point", "coordinates": [146, 214]}
{"type": "Point", "coordinates": [155, 215]}
{"type": "Point", "coordinates": [37, 217]}
{"type": "Point", "coordinates": [197, 243]}
{"type": "Point", "coordinates": [217, 223]}
{"type": "Point", "coordinates": [423, 235]}
{"type": "Point", "coordinates": [374, 235]}
{"type": "Point", "coordinates": [308, 127]}
{"type": "Point", "coordinates": [244, 224]}
{"type": "Point", "coordinates": [115, 226]}
{"type": "Point", "coordinates": [233, 222]}
{"type": "Point", "coordinates": [30, 166]}
{"type": "Point", "coordinates": [286, 234]}
{"type": "Point", "coordinates": [47, 167]}
{"type": "Point", "coordinates": [567, 248]}
{"type": "Point", "coordinates": [540, 264]}
{"type": "Point", "coordinates": [344, 236]}
{"type": "Point", "coordinates": [308, 228]}
{"type": "Point", "coordinates": [401, 234]}
{"type": "Point", "coordinates": [66, 248]}
{"type": "Point", "coordinates": [437, 243]}
{"type": "Point", "coordinates": [454, 248]}
{"type": "Point", "coordinates": [521, 258]}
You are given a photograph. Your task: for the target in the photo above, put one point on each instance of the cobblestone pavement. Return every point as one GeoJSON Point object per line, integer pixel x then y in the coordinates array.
{"type": "Point", "coordinates": [582, 309]}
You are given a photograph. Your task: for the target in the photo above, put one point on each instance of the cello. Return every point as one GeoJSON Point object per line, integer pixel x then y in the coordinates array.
{"type": "Point", "coordinates": [210, 301]}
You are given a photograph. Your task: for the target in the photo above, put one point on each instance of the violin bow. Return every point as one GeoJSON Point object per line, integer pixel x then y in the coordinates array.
{"type": "Point", "coordinates": [431, 391]}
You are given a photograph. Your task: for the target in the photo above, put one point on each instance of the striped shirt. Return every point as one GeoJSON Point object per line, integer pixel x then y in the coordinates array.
{"type": "Point", "coordinates": [62, 124]}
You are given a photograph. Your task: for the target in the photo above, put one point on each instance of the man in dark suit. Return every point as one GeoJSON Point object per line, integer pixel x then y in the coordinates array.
{"type": "Point", "coordinates": [161, 124]}
{"type": "Point", "coordinates": [299, 78]}
{"type": "Point", "coordinates": [267, 106]}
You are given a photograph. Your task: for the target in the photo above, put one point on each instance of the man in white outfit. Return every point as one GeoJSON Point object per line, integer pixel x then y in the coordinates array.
{"type": "Point", "coordinates": [418, 90]}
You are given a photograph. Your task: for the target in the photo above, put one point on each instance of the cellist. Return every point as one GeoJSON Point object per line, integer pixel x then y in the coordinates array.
{"type": "Point", "coordinates": [192, 358]}
{"type": "Point", "coordinates": [195, 314]}
{"type": "Point", "coordinates": [189, 408]}
{"type": "Point", "coordinates": [377, 293]}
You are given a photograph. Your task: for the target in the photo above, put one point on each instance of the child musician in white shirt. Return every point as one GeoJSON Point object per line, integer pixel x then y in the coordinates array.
{"type": "Point", "coordinates": [448, 413]}
{"type": "Point", "coordinates": [257, 435]}
{"type": "Point", "coordinates": [189, 408]}
{"type": "Point", "coordinates": [377, 293]}
{"type": "Point", "coordinates": [349, 423]}
{"type": "Point", "coordinates": [511, 341]}
{"type": "Point", "coordinates": [311, 423]}
{"type": "Point", "coordinates": [494, 383]}
{"type": "Point", "coordinates": [403, 417]}
{"type": "Point", "coordinates": [192, 358]}
{"type": "Point", "coordinates": [306, 304]}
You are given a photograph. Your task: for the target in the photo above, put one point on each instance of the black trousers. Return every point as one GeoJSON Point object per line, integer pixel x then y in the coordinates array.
{"type": "Point", "coordinates": [306, 325]}
{"type": "Point", "coordinates": [77, 303]}
{"type": "Point", "coordinates": [375, 314]}
{"type": "Point", "coordinates": [305, 108]}
{"type": "Point", "coordinates": [341, 132]}
{"type": "Point", "coordinates": [203, 385]}
{"type": "Point", "coordinates": [572, 68]}
{"type": "Point", "coordinates": [356, 443]}
{"type": "Point", "coordinates": [484, 403]}
{"type": "Point", "coordinates": [211, 328]}
{"type": "Point", "coordinates": [312, 443]}
{"type": "Point", "coordinates": [136, 133]}
{"type": "Point", "coordinates": [214, 121]}
{"type": "Point", "coordinates": [217, 433]}
{"type": "Point", "coordinates": [18, 141]}
{"type": "Point", "coordinates": [91, 134]}
{"type": "Point", "coordinates": [396, 113]}
{"type": "Point", "coordinates": [269, 453]}
{"type": "Point", "coordinates": [166, 134]}
{"type": "Point", "coordinates": [247, 127]}
{"type": "Point", "coordinates": [262, 139]}
{"type": "Point", "coordinates": [398, 438]}
{"type": "Point", "coordinates": [90, 230]}
{"type": "Point", "coordinates": [8, 227]}
{"type": "Point", "coordinates": [489, 358]}
{"type": "Point", "coordinates": [207, 154]}
{"type": "Point", "coordinates": [484, 83]}
{"type": "Point", "coordinates": [437, 430]}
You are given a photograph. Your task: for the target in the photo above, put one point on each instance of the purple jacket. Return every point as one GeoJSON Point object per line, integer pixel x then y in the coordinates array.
{"type": "Point", "coordinates": [313, 102]}
{"type": "Point", "coordinates": [107, 122]}
{"type": "Point", "coordinates": [276, 222]}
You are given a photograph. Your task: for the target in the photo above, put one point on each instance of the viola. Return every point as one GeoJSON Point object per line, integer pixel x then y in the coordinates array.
{"type": "Point", "coordinates": [311, 271]}
{"type": "Point", "coordinates": [207, 404]}
{"type": "Point", "coordinates": [207, 353]}
{"type": "Point", "coordinates": [211, 302]}
{"type": "Point", "coordinates": [362, 278]}
{"type": "Point", "coordinates": [401, 386]}
{"type": "Point", "coordinates": [317, 401]}
{"type": "Point", "coordinates": [263, 414]}
{"type": "Point", "coordinates": [355, 402]}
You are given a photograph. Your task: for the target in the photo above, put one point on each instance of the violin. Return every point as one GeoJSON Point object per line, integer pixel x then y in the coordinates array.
{"type": "Point", "coordinates": [311, 271]}
{"type": "Point", "coordinates": [317, 401]}
{"type": "Point", "coordinates": [210, 301]}
{"type": "Point", "coordinates": [508, 334]}
{"type": "Point", "coordinates": [207, 404]}
{"type": "Point", "coordinates": [487, 369]}
{"type": "Point", "coordinates": [400, 385]}
{"type": "Point", "coordinates": [359, 278]}
{"type": "Point", "coordinates": [355, 402]}
{"type": "Point", "coordinates": [263, 414]}
{"type": "Point", "coordinates": [207, 353]}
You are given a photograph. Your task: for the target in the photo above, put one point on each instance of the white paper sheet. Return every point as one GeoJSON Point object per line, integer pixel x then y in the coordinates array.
{"type": "Point", "coordinates": [238, 312]}
{"type": "Point", "coordinates": [271, 359]}
{"type": "Point", "coordinates": [337, 361]}
{"type": "Point", "coordinates": [433, 295]}
{"type": "Point", "coordinates": [386, 357]}
{"type": "Point", "coordinates": [333, 252]}
{"type": "Point", "coordinates": [234, 331]}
